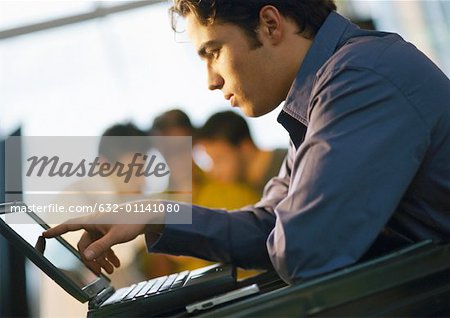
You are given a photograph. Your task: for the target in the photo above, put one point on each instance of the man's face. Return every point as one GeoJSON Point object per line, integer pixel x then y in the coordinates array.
{"type": "Point", "coordinates": [243, 74]}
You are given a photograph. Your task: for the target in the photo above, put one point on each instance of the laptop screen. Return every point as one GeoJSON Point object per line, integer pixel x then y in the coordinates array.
{"type": "Point", "coordinates": [52, 249]}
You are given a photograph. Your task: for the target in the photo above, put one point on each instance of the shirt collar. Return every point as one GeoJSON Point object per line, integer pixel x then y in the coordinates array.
{"type": "Point", "coordinates": [324, 45]}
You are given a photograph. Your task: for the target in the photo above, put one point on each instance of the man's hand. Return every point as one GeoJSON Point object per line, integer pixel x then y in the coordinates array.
{"type": "Point", "coordinates": [96, 242]}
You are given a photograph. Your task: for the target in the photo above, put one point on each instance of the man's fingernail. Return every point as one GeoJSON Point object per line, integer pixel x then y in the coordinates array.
{"type": "Point", "coordinates": [89, 255]}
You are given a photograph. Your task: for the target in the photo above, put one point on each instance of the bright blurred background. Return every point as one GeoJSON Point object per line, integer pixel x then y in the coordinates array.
{"type": "Point", "coordinates": [76, 76]}
{"type": "Point", "coordinates": [73, 68]}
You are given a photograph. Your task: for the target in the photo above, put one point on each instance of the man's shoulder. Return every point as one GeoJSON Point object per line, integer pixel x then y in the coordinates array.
{"type": "Point", "coordinates": [386, 54]}
{"type": "Point", "coordinates": [398, 62]}
{"type": "Point", "coordinates": [374, 51]}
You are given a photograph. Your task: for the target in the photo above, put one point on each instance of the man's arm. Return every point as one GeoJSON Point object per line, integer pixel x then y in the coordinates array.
{"type": "Point", "coordinates": [238, 237]}
{"type": "Point", "coordinates": [364, 145]}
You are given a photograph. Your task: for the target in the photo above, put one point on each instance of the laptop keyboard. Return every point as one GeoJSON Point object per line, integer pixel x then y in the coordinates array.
{"type": "Point", "coordinates": [147, 288]}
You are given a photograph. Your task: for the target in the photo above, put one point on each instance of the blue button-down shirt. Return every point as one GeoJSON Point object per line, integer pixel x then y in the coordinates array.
{"type": "Point", "coordinates": [369, 120]}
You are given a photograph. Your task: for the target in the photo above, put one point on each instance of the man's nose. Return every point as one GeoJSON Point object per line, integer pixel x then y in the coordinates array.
{"type": "Point", "coordinates": [215, 81]}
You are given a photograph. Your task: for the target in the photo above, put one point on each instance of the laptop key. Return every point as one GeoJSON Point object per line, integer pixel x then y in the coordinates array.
{"type": "Point", "coordinates": [130, 289]}
{"type": "Point", "coordinates": [118, 296]}
{"type": "Point", "coordinates": [135, 290]}
{"type": "Point", "coordinates": [176, 284]}
{"type": "Point", "coordinates": [157, 284]}
{"type": "Point", "coordinates": [168, 283]}
{"type": "Point", "coordinates": [182, 276]}
{"type": "Point", "coordinates": [146, 287]}
{"type": "Point", "coordinates": [179, 281]}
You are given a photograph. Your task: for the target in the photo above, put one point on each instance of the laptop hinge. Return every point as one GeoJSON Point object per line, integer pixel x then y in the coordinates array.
{"type": "Point", "coordinates": [101, 297]}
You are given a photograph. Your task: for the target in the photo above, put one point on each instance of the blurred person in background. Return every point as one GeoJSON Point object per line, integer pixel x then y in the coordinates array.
{"type": "Point", "coordinates": [176, 123]}
{"type": "Point", "coordinates": [235, 157]}
{"type": "Point", "coordinates": [221, 193]}
{"type": "Point", "coordinates": [90, 191]}
{"type": "Point", "coordinates": [114, 146]}
{"type": "Point", "coordinates": [206, 190]}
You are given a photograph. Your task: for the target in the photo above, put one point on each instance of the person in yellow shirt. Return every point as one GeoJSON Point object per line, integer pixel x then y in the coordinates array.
{"type": "Point", "coordinates": [206, 191]}
{"type": "Point", "coordinates": [235, 157]}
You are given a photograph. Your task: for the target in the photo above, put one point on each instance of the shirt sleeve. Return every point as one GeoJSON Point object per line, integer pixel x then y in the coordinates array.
{"type": "Point", "coordinates": [237, 237]}
{"type": "Point", "coordinates": [364, 144]}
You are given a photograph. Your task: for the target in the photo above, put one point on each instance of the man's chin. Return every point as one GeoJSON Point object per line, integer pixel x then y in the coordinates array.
{"type": "Point", "coordinates": [253, 111]}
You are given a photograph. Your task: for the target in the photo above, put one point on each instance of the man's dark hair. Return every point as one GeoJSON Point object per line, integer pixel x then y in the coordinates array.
{"type": "Point", "coordinates": [227, 126]}
{"type": "Point", "coordinates": [174, 118]}
{"type": "Point", "coordinates": [113, 148]}
{"type": "Point", "coordinates": [309, 15]}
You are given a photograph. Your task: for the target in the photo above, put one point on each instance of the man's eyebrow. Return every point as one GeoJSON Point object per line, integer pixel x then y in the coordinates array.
{"type": "Point", "coordinates": [202, 50]}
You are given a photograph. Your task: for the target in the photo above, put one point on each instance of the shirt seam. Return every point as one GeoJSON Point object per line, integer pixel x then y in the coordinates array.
{"type": "Point", "coordinates": [292, 113]}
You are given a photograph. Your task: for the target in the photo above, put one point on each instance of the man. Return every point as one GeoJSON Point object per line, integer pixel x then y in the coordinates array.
{"type": "Point", "coordinates": [369, 120]}
{"type": "Point", "coordinates": [227, 140]}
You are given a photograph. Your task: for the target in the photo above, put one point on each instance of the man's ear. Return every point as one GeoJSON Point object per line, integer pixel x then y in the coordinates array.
{"type": "Point", "coordinates": [270, 24]}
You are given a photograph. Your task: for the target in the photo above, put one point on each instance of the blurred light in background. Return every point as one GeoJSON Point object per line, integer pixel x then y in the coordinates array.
{"type": "Point", "coordinates": [425, 23]}
{"type": "Point", "coordinates": [81, 78]}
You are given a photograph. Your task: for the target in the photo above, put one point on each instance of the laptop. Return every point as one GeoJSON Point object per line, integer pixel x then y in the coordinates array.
{"type": "Point", "coordinates": [62, 263]}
